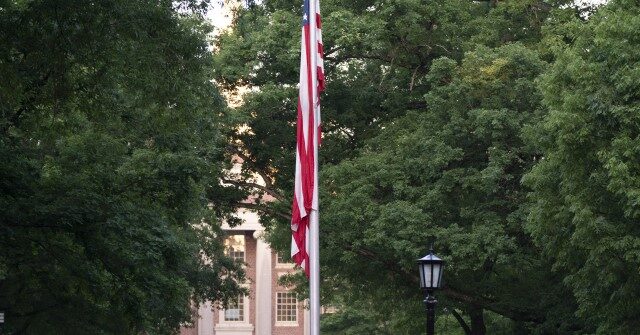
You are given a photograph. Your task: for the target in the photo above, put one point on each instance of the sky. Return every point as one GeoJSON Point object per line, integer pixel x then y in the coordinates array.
{"type": "Point", "coordinates": [219, 13]}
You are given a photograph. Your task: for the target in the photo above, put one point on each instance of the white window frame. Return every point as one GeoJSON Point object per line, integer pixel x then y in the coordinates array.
{"type": "Point", "coordinates": [223, 312]}
{"type": "Point", "coordinates": [287, 323]}
{"type": "Point", "coordinates": [244, 253]}
{"type": "Point", "coordinates": [235, 327]}
{"type": "Point", "coordinates": [283, 265]}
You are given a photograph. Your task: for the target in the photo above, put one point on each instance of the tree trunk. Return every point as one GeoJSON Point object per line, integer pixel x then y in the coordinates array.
{"type": "Point", "coordinates": [463, 324]}
{"type": "Point", "coordinates": [477, 321]}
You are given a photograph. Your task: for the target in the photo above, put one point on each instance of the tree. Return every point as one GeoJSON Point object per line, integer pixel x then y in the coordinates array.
{"type": "Point", "coordinates": [110, 141]}
{"type": "Point", "coordinates": [585, 187]}
{"type": "Point", "coordinates": [453, 173]}
{"type": "Point", "coordinates": [376, 57]}
{"type": "Point", "coordinates": [380, 65]}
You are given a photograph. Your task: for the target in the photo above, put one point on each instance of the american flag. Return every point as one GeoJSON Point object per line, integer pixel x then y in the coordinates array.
{"type": "Point", "coordinates": [305, 197]}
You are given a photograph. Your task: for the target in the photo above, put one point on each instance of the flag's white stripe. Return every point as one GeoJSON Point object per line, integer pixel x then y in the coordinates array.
{"type": "Point", "coordinates": [294, 246]}
{"type": "Point", "coordinates": [303, 90]}
{"type": "Point", "coordinates": [299, 197]}
{"type": "Point", "coordinates": [320, 62]}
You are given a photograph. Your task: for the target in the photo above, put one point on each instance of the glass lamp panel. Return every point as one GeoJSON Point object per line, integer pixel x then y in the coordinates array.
{"type": "Point", "coordinates": [426, 271]}
{"type": "Point", "coordinates": [437, 274]}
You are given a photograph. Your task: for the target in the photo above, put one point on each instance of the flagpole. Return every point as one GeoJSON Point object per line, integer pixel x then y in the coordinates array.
{"type": "Point", "coordinates": [314, 280]}
{"type": "Point", "coordinates": [314, 220]}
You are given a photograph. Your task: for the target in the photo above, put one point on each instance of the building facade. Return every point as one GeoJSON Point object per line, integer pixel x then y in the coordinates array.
{"type": "Point", "coordinates": [269, 308]}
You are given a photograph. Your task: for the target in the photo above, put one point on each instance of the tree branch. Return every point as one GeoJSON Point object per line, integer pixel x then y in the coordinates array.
{"type": "Point", "coordinates": [41, 82]}
{"type": "Point", "coordinates": [413, 78]}
{"type": "Point", "coordinates": [480, 302]}
{"type": "Point", "coordinates": [235, 150]}
{"type": "Point", "coordinates": [264, 209]}
{"type": "Point", "coordinates": [344, 58]}
{"type": "Point", "coordinates": [463, 324]}
{"type": "Point", "coordinates": [256, 186]}
{"type": "Point", "coordinates": [332, 50]}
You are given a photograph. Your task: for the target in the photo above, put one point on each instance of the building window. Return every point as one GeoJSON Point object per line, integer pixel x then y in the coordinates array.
{"type": "Point", "coordinates": [283, 261]}
{"type": "Point", "coordinates": [235, 310]}
{"type": "Point", "coordinates": [286, 307]}
{"type": "Point", "coordinates": [235, 247]}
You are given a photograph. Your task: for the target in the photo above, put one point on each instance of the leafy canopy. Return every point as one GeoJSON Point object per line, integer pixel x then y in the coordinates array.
{"type": "Point", "coordinates": [109, 144]}
{"type": "Point", "coordinates": [451, 173]}
{"type": "Point", "coordinates": [585, 199]}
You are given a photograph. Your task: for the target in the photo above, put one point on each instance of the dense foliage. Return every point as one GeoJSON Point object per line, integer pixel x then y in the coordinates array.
{"type": "Point", "coordinates": [435, 112]}
{"type": "Point", "coordinates": [459, 182]}
{"type": "Point", "coordinates": [586, 190]}
{"type": "Point", "coordinates": [505, 132]}
{"type": "Point", "coordinates": [109, 144]}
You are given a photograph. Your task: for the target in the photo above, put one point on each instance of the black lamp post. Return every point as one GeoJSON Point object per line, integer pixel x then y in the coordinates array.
{"type": "Point", "coordinates": [431, 267]}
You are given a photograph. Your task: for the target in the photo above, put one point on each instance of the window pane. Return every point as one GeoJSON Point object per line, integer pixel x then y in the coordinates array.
{"type": "Point", "coordinates": [287, 307]}
{"type": "Point", "coordinates": [235, 247]}
{"type": "Point", "coordinates": [282, 259]}
{"type": "Point", "coordinates": [235, 310]}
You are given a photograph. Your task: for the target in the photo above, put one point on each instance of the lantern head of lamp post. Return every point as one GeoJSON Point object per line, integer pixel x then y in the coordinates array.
{"type": "Point", "coordinates": [431, 267]}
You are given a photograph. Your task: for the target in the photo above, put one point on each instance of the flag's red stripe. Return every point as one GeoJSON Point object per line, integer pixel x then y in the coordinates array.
{"type": "Point", "coordinates": [301, 151]}
{"type": "Point", "coordinates": [310, 171]}
{"type": "Point", "coordinates": [311, 80]}
{"type": "Point", "coordinates": [300, 239]}
{"type": "Point", "coordinates": [320, 75]}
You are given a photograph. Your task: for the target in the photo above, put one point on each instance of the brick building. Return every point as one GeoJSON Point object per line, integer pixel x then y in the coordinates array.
{"type": "Point", "coordinates": [269, 309]}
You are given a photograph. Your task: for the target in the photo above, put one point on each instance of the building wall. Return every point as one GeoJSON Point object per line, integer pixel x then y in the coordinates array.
{"type": "Point", "coordinates": [189, 331]}
{"type": "Point", "coordinates": [277, 328]}
{"type": "Point", "coordinates": [262, 271]}
{"type": "Point", "coordinates": [220, 327]}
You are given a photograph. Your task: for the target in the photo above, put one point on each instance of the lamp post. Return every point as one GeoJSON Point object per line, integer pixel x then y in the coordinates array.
{"type": "Point", "coordinates": [431, 267]}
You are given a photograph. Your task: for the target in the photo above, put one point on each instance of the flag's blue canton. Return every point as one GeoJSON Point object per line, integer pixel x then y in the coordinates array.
{"type": "Point", "coordinates": [305, 15]}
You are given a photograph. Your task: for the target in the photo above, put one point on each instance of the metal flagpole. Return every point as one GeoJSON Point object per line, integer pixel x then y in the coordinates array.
{"type": "Point", "coordinates": [314, 280]}
{"type": "Point", "coordinates": [314, 241]}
